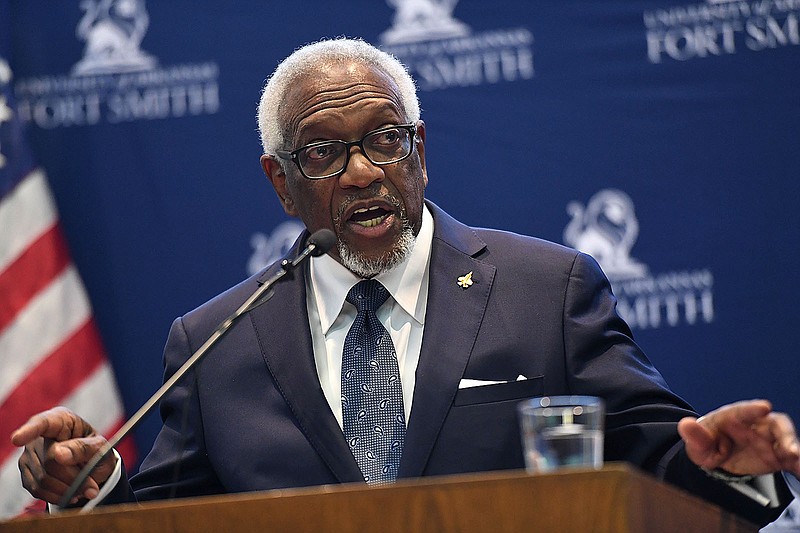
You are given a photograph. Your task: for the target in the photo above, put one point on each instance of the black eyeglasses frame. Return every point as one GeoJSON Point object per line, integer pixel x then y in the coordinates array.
{"type": "Point", "coordinates": [293, 155]}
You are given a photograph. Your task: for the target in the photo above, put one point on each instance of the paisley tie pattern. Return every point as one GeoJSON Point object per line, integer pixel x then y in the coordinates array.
{"type": "Point", "coordinates": [372, 398]}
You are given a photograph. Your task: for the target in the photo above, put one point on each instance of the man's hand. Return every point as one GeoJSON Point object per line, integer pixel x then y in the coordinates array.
{"type": "Point", "coordinates": [58, 443]}
{"type": "Point", "coordinates": [742, 438]}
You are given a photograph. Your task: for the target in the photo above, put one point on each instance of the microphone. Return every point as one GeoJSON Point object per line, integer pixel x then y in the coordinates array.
{"type": "Point", "coordinates": [317, 244]}
{"type": "Point", "coordinates": [321, 241]}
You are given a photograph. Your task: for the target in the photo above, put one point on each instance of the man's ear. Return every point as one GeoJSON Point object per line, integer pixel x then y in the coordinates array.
{"type": "Point", "coordinates": [274, 171]}
{"type": "Point", "coordinates": [420, 140]}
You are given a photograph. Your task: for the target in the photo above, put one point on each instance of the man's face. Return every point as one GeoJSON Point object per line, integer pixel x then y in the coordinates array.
{"type": "Point", "coordinates": [371, 209]}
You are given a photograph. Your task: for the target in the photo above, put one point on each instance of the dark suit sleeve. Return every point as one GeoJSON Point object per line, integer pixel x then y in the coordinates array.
{"type": "Point", "coordinates": [603, 360]}
{"type": "Point", "coordinates": [642, 412]}
{"type": "Point", "coordinates": [177, 465]}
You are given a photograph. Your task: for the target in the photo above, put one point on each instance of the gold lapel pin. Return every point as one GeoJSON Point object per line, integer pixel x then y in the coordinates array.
{"type": "Point", "coordinates": [465, 281]}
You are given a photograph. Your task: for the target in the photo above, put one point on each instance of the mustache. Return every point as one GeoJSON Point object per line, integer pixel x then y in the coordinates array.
{"type": "Point", "coordinates": [370, 193]}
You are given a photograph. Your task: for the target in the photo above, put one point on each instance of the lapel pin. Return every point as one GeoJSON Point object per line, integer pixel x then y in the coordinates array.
{"type": "Point", "coordinates": [465, 281]}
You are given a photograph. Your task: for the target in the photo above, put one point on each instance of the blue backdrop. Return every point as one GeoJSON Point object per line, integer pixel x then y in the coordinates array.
{"type": "Point", "coordinates": [662, 136]}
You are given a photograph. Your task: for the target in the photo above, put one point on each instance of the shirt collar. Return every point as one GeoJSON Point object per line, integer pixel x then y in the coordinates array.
{"type": "Point", "coordinates": [330, 281]}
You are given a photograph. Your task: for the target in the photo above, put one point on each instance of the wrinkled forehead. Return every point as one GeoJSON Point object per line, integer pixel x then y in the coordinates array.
{"type": "Point", "coordinates": [335, 84]}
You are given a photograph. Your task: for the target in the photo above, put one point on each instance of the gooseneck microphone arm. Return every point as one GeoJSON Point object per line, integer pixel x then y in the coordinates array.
{"type": "Point", "coordinates": [318, 243]}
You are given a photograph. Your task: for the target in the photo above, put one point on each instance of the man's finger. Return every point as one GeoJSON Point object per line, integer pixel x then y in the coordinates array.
{"type": "Point", "coordinates": [76, 452]}
{"type": "Point", "coordinates": [48, 480]}
{"type": "Point", "coordinates": [36, 426]}
{"type": "Point", "coordinates": [785, 444]}
{"type": "Point", "coordinates": [692, 432]}
{"type": "Point", "coordinates": [703, 447]}
{"type": "Point", "coordinates": [58, 423]}
{"type": "Point", "coordinates": [738, 421]}
{"type": "Point", "coordinates": [745, 412]}
{"type": "Point", "coordinates": [36, 486]}
{"type": "Point", "coordinates": [46, 483]}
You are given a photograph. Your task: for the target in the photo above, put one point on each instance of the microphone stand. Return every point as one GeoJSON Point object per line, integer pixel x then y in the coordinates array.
{"type": "Point", "coordinates": [318, 243]}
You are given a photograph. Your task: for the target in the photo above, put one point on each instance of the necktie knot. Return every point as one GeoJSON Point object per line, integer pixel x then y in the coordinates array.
{"type": "Point", "coordinates": [367, 295]}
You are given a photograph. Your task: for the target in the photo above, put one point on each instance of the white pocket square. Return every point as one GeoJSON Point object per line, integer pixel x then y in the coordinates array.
{"type": "Point", "coordinates": [469, 383]}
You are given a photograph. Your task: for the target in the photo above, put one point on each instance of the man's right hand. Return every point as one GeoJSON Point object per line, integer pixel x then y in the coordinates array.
{"type": "Point", "coordinates": [58, 443]}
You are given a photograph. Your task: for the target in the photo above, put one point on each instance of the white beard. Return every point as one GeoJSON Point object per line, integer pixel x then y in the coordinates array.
{"type": "Point", "coordinates": [368, 268]}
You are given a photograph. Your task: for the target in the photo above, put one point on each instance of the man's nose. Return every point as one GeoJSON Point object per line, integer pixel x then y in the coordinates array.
{"type": "Point", "coordinates": [360, 171]}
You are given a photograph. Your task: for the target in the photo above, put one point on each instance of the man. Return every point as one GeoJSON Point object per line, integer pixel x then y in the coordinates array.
{"type": "Point", "coordinates": [275, 404]}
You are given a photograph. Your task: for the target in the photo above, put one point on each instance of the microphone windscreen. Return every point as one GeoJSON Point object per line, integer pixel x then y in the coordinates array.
{"type": "Point", "coordinates": [323, 240]}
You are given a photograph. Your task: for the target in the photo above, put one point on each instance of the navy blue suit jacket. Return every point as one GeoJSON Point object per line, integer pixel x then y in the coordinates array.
{"type": "Point", "coordinates": [256, 417]}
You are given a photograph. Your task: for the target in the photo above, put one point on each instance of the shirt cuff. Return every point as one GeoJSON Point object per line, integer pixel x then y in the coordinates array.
{"type": "Point", "coordinates": [794, 484]}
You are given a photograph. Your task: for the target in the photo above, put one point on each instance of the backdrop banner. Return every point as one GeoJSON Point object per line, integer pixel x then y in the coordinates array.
{"type": "Point", "coordinates": [661, 136]}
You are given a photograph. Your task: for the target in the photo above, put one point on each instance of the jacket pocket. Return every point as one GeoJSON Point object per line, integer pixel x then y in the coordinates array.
{"type": "Point", "coordinates": [499, 392]}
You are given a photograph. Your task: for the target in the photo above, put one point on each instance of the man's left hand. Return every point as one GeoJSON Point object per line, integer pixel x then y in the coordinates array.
{"type": "Point", "coordinates": [742, 438]}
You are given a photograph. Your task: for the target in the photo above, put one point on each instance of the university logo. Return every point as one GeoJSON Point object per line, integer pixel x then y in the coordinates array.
{"type": "Point", "coordinates": [720, 27]}
{"type": "Point", "coordinates": [269, 248]}
{"type": "Point", "coordinates": [420, 20]}
{"type": "Point", "coordinates": [607, 228]}
{"type": "Point", "coordinates": [113, 31]}
{"type": "Point", "coordinates": [115, 81]}
{"type": "Point", "coordinates": [441, 51]}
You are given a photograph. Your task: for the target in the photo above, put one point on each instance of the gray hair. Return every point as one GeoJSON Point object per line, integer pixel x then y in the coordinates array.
{"type": "Point", "coordinates": [308, 58]}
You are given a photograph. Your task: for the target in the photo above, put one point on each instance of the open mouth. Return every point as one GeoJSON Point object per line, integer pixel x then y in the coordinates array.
{"type": "Point", "coordinates": [369, 217]}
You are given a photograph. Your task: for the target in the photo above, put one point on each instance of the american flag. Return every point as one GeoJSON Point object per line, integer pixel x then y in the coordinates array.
{"type": "Point", "coordinates": [50, 350]}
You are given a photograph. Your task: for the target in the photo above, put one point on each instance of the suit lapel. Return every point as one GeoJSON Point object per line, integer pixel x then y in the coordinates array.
{"type": "Point", "coordinates": [453, 317]}
{"type": "Point", "coordinates": [283, 323]}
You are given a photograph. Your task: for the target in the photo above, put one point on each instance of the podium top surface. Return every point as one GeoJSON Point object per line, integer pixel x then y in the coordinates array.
{"type": "Point", "coordinates": [617, 498]}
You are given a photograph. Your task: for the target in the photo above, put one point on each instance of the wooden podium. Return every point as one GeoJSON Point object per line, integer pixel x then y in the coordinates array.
{"type": "Point", "coordinates": [615, 499]}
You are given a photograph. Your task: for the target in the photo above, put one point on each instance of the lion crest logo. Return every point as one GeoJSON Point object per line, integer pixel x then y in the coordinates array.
{"type": "Point", "coordinates": [113, 31]}
{"type": "Point", "coordinates": [423, 20]}
{"type": "Point", "coordinates": [606, 229]}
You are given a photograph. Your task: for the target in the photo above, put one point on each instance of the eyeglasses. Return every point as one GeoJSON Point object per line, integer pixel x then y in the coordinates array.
{"type": "Point", "coordinates": [325, 159]}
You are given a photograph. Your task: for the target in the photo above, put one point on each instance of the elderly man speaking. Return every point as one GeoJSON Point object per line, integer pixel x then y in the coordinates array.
{"type": "Point", "coordinates": [351, 371]}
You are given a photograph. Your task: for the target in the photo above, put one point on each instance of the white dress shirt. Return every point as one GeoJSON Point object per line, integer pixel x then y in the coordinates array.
{"type": "Point", "coordinates": [403, 315]}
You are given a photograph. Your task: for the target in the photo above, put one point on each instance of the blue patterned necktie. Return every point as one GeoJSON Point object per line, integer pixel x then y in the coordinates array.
{"type": "Point", "coordinates": [372, 399]}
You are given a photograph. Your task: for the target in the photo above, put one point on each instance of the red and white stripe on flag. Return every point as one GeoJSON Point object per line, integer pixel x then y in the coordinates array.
{"type": "Point", "coordinates": [50, 350]}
